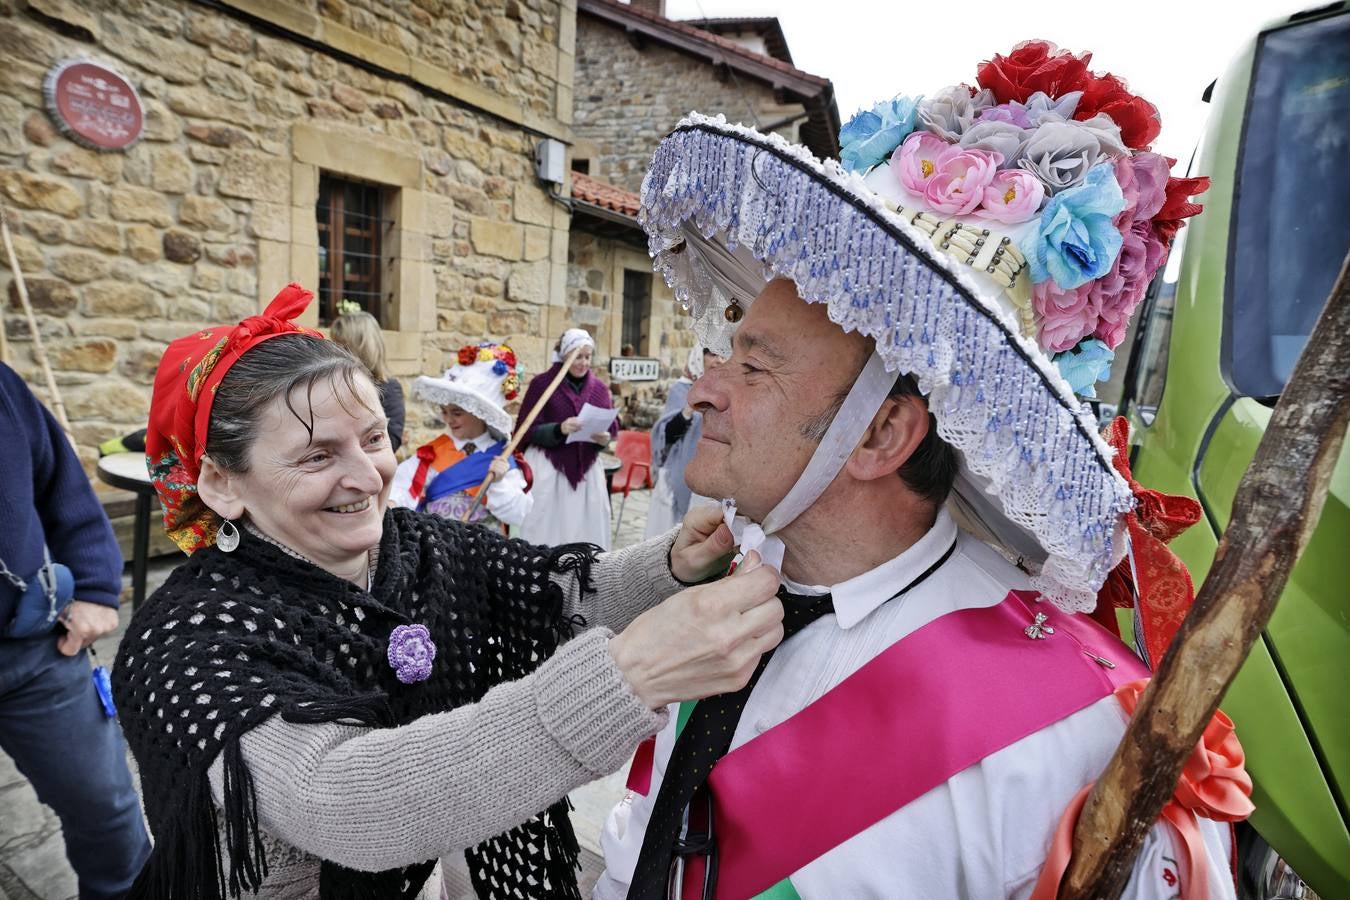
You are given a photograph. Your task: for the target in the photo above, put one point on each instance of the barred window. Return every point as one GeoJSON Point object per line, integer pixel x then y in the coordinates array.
{"type": "Point", "coordinates": [637, 310]}
{"type": "Point", "coordinates": [353, 233]}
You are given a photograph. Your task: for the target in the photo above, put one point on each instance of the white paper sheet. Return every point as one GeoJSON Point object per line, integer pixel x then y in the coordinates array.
{"type": "Point", "coordinates": [594, 420]}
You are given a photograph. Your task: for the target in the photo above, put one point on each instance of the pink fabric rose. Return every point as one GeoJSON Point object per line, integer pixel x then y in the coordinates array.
{"type": "Point", "coordinates": [1013, 196]}
{"type": "Point", "coordinates": [1143, 182]}
{"type": "Point", "coordinates": [1117, 294]}
{"type": "Point", "coordinates": [1063, 318]}
{"type": "Point", "coordinates": [962, 176]}
{"type": "Point", "coordinates": [919, 156]}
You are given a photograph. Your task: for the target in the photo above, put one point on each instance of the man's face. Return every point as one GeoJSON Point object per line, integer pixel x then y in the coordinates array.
{"type": "Point", "coordinates": [762, 408]}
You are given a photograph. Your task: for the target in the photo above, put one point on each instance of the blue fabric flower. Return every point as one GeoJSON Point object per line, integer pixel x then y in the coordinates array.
{"type": "Point", "coordinates": [1075, 240]}
{"type": "Point", "coordinates": [871, 135]}
{"type": "Point", "coordinates": [499, 368]}
{"type": "Point", "coordinates": [1085, 365]}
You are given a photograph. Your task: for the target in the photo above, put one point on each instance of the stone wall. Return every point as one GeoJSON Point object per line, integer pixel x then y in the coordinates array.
{"type": "Point", "coordinates": [628, 99]}
{"type": "Point", "coordinates": [213, 211]}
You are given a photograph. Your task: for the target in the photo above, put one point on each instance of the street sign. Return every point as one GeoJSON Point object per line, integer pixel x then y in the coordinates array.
{"type": "Point", "coordinates": [93, 105]}
{"type": "Point", "coordinates": [634, 368]}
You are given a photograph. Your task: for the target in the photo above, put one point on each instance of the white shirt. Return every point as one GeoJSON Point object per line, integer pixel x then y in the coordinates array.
{"type": "Point", "coordinates": [506, 499]}
{"type": "Point", "coordinates": [985, 832]}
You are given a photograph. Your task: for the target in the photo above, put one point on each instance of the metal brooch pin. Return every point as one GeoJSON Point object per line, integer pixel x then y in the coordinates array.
{"type": "Point", "coordinates": [1037, 630]}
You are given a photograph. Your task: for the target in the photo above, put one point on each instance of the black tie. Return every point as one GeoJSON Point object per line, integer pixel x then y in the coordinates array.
{"type": "Point", "coordinates": [705, 739]}
{"type": "Point", "coordinates": [470, 448]}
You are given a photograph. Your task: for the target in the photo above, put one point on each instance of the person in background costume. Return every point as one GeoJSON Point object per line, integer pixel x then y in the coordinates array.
{"type": "Point", "coordinates": [940, 706]}
{"type": "Point", "coordinates": [359, 332]}
{"type": "Point", "coordinates": [443, 476]}
{"type": "Point", "coordinates": [571, 500]}
{"type": "Point", "coordinates": [329, 695]}
{"type": "Point", "coordinates": [674, 438]}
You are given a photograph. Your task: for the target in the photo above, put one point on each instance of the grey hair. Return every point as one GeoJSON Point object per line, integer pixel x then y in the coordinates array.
{"type": "Point", "coordinates": [274, 368]}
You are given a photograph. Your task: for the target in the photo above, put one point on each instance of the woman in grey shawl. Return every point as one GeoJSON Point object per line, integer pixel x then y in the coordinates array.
{"type": "Point", "coordinates": [674, 441]}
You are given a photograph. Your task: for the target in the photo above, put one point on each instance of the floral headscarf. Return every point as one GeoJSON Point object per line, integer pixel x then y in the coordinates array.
{"type": "Point", "coordinates": [186, 382]}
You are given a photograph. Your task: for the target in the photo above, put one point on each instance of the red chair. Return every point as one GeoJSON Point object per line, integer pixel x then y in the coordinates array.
{"type": "Point", "coordinates": [634, 450]}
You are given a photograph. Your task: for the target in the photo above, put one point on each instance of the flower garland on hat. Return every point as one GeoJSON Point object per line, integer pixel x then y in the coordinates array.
{"type": "Point", "coordinates": [505, 363]}
{"type": "Point", "coordinates": [1057, 158]}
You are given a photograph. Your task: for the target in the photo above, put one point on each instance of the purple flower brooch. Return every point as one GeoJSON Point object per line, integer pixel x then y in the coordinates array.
{"type": "Point", "coordinates": [411, 652]}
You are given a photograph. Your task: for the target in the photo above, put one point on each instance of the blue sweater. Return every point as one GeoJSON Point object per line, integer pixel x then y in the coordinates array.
{"type": "Point", "coordinates": [45, 495]}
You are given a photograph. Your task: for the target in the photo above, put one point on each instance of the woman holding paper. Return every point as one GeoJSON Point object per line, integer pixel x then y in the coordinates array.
{"type": "Point", "coordinates": [571, 501]}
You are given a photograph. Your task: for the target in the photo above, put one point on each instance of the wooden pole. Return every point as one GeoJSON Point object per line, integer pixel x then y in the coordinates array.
{"type": "Point", "coordinates": [523, 429]}
{"type": "Point", "coordinates": [58, 407]}
{"type": "Point", "coordinates": [1275, 510]}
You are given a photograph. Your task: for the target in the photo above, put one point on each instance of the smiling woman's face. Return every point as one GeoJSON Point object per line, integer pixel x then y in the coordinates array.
{"type": "Point", "coordinates": [322, 493]}
{"type": "Point", "coordinates": [581, 364]}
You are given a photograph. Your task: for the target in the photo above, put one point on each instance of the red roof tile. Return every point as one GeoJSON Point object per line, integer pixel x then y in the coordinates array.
{"type": "Point", "coordinates": [600, 193]}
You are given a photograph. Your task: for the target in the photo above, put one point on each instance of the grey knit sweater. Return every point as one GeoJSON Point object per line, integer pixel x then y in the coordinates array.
{"type": "Point", "coordinates": [374, 799]}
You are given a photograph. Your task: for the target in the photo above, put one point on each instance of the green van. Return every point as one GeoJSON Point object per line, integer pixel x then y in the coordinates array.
{"type": "Point", "coordinates": [1211, 356]}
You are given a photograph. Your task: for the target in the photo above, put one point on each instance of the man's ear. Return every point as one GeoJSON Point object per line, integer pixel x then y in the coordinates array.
{"type": "Point", "coordinates": [895, 433]}
{"type": "Point", "coordinates": [219, 490]}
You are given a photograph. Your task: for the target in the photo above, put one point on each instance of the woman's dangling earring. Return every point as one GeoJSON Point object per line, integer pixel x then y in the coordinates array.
{"type": "Point", "coordinates": [227, 537]}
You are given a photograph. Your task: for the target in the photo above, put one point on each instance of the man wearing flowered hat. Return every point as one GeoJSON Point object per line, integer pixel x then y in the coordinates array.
{"type": "Point", "coordinates": [891, 431]}
{"type": "Point", "coordinates": [444, 475]}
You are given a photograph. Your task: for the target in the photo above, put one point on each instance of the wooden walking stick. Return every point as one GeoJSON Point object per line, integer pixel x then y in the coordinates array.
{"type": "Point", "coordinates": [523, 429]}
{"type": "Point", "coordinates": [58, 407]}
{"type": "Point", "coordinates": [1275, 510]}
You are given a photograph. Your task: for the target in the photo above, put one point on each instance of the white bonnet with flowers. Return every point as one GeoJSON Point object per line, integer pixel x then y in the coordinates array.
{"type": "Point", "coordinates": [484, 379]}
{"type": "Point", "coordinates": [993, 241]}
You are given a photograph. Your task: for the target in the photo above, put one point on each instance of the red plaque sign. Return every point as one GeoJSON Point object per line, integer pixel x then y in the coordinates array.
{"type": "Point", "coordinates": [94, 105]}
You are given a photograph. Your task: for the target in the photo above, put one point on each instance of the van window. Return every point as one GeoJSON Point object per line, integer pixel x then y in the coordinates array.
{"type": "Point", "coordinates": [1292, 201]}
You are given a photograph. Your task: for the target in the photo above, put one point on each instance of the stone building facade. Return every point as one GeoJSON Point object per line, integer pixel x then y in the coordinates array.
{"type": "Point", "coordinates": [258, 113]}
{"type": "Point", "coordinates": [637, 74]}
{"type": "Point", "coordinates": [250, 105]}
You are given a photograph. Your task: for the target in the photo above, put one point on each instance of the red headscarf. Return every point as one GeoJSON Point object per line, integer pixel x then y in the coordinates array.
{"type": "Point", "coordinates": [186, 382]}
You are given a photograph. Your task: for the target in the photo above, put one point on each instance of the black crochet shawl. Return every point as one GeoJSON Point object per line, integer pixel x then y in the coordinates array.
{"type": "Point", "coordinates": [233, 639]}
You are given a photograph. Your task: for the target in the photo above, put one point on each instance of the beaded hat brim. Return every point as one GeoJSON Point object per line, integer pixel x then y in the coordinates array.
{"type": "Point", "coordinates": [727, 209]}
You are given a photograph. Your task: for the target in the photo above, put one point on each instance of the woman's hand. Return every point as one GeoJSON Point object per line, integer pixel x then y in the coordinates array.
{"type": "Point", "coordinates": [570, 426]}
{"type": "Point", "coordinates": [602, 438]}
{"type": "Point", "coordinates": [703, 641]}
{"type": "Point", "coordinates": [499, 467]}
{"type": "Point", "coordinates": [704, 546]}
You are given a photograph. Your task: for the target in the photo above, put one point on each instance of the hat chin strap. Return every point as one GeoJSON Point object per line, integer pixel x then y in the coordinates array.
{"type": "Point", "coordinates": [869, 391]}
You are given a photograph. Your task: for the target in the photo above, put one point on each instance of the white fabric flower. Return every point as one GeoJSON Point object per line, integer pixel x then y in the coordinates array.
{"type": "Point", "coordinates": [952, 110]}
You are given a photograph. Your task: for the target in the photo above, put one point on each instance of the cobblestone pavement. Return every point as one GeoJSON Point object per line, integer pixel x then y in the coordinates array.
{"type": "Point", "coordinates": [32, 854]}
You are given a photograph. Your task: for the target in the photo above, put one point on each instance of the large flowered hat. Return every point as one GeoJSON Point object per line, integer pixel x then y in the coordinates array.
{"type": "Point", "coordinates": [483, 380]}
{"type": "Point", "coordinates": [991, 240]}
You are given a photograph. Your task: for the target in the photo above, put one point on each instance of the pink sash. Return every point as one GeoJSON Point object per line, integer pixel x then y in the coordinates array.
{"type": "Point", "coordinates": [957, 690]}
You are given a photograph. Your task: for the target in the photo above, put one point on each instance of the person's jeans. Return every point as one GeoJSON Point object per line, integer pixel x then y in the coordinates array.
{"type": "Point", "coordinates": [53, 727]}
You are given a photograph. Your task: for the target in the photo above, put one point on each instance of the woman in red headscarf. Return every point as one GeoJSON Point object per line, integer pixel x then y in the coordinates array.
{"type": "Point", "coordinates": [332, 695]}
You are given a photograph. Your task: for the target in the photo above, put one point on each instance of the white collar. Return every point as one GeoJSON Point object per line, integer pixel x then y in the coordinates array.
{"type": "Point", "coordinates": [482, 442]}
{"type": "Point", "coordinates": [859, 596]}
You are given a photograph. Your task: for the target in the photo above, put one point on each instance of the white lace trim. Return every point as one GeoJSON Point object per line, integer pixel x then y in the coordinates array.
{"type": "Point", "coordinates": [442, 393]}
{"type": "Point", "coordinates": [1023, 436]}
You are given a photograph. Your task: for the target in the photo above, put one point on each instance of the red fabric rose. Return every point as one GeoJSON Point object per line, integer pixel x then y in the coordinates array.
{"type": "Point", "coordinates": [467, 355]}
{"type": "Point", "coordinates": [1138, 119]}
{"type": "Point", "coordinates": [1178, 205]}
{"type": "Point", "coordinates": [1034, 66]}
